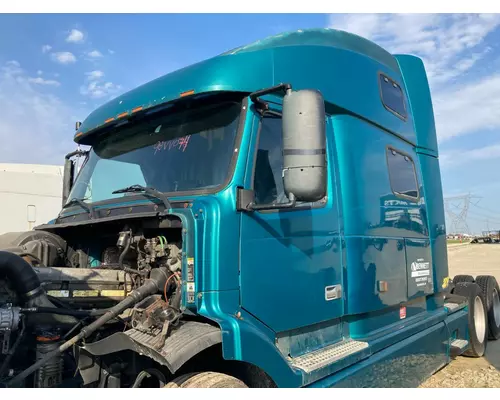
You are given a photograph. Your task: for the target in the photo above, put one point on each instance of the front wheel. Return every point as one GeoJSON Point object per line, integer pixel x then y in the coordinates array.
{"type": "Point", "coordinates": [478, 318]}
{"type": "Point", "coordinates": [205, 380]}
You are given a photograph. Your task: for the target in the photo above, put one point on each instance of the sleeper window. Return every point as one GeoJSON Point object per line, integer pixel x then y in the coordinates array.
{"type": "Point", "coordinates": [402, 174]}
{"type": "Point", "coordinates": [392, 96]}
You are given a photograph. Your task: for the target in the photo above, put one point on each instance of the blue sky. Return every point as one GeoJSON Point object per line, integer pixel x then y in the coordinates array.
{"type": "Point", "coordinates": [55, 69]}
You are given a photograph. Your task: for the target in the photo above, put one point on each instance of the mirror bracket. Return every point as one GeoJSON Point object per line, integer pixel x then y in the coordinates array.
{"type": "Point", "coordinates": [246, 202]}
{"type": "Point", "coordinates": [261, 105]}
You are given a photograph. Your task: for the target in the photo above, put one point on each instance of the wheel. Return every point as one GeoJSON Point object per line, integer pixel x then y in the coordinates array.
{"type": "Point", "coordinates": [489, 286]}
{"type": "Point", "coordinates": [477, 318]}
{"type": "Point", "coordinates": [462, 278]}
{"type": "Point", "coordinates": [205, 380]}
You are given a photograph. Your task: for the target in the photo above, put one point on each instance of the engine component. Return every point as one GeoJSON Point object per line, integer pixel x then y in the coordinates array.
{"type": "Point", "coordinates": [110, 256]}
{"type": "Point", "coordinates": [9, 318]}
{"type": "Point", "coordinates": [9, 321]}
{"type": "Point", "coordinates": [44, 247]}
{"type": "Point", "coordinates": [153, 285]}
{"type": "Point", "coordinates": [50, 374]}
{"type": "Point", "coordinates": [24, 280]}
{"type": "Point", "coordinates": [79, 259]}
{"type": "Point", "coordinates": [84, 286]}
{"type": "Point", "coordinates": [21, 275]}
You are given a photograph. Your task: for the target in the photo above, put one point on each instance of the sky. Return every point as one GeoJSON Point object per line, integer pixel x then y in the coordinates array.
{"type": "Point", "coordinates": [56, 68]}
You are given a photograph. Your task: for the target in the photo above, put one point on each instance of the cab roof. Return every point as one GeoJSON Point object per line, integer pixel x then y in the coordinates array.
{"type": "Point", "coordinates": [339, 64]}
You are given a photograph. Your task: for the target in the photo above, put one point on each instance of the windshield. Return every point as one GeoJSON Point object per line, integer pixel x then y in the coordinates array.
{"type": "Point", "coordinates": [184, 151]}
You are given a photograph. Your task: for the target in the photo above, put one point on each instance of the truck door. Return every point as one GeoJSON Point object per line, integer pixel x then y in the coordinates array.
{"type": "Point", "coordinates": [409, 201]}
{"type": "Point", "coordinates": [290, 263]}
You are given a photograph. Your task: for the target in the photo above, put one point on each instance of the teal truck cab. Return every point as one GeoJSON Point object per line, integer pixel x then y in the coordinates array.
{"type": "Point", "coordinates": [272, 216]}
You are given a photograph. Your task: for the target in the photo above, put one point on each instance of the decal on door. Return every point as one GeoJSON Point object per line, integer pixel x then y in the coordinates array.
{"type": "Point", "coordinates": [420, 272]}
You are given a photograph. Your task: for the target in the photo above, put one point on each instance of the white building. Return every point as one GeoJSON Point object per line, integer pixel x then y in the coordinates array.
{"type": "Point", "coordinates": [30, 195]}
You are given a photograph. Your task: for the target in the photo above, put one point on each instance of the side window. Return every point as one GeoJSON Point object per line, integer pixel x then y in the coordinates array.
{"type": "Point", "coordinates": [402, 174]}
{"type": "Point", "coordinates": [268, 181]}
{"type": "Point", "coordinates": [392, 96]}
{"type": "Point", "coordinates": [268, 173]}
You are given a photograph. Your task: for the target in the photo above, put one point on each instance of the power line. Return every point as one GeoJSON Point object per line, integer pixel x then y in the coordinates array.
{"type": "Point", "coordinates": [456, 208]}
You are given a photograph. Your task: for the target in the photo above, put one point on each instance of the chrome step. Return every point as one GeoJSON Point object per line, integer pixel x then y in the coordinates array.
{"type": "Point", "coordinates": [458, 346]}
{"type": "Point", "coordinates": [317, 359]}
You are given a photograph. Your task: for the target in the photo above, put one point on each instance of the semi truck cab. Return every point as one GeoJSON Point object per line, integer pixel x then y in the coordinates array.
{"type": "Point", "coordinates": [272, 216]}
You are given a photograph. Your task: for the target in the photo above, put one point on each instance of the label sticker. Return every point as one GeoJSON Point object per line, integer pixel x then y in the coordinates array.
{"type": "Point", "coordinates": [419, 265]}
{"type": "Point", "coordinates": [420, 273]}
{"type": "Point", "coordinates": [190, 287]}
{"type": "Point", "coordinates": [190, 269]}
{"type": "Point", "coordinates": [402, 312]}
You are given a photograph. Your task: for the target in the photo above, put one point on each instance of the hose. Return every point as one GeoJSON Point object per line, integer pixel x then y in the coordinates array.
{"type": "Point", "coordinates": [124, 253]}
{"type": "Point", "coordinates": [152, 285]}
{"type": "Point", "coordinates": [21, 275]}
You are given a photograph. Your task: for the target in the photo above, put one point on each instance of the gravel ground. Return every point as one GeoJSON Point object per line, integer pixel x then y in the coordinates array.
{"type": "Point", "coordinates": [465, 372]}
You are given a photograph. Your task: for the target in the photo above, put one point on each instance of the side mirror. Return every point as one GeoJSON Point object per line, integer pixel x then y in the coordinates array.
{"type": "Point", "coordinates": [304, 145]}
{"type": "Point", "coordinates": [68, 176]}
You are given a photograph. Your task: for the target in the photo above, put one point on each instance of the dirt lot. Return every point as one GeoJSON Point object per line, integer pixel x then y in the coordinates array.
{"type": "Point", "coordinates": [475, 259]}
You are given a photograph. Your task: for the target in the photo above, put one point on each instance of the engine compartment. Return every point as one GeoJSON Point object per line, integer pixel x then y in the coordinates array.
{"type": "Point", "coordinates": [89, 282]}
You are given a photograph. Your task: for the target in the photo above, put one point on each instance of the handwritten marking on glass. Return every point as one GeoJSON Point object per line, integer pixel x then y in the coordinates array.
{"type": "Point", "coordinates": [179, 144]}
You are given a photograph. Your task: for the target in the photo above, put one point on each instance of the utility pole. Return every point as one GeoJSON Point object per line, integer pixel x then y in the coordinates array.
{"type": "Point", "coordinates": [456, 209]}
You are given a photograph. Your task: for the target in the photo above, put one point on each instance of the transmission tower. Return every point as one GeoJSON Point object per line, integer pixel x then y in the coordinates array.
{"type": "Point", "coordinates": [456, 209]}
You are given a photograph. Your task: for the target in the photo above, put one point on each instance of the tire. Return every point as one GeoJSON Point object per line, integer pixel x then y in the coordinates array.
{"type": "Point", "coordinates": [491, 291]}
{"type": "Point", "coordinates": [462, 278]}
{"type": "Point", "coordinates": [477, 317]}
{"type": "Point", "coordinates": [205, 380]}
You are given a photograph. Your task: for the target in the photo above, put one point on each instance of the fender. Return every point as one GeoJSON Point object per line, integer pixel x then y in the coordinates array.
{"type": "Point", "coordinates": [185, 341]}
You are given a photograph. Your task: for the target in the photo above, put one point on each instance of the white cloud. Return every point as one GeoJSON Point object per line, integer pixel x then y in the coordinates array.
{"type": "Point", "coordinates": [64, 57]}
{"type": "Point", "coordinates": [111, 51]}
{"type": "Point", "coordinates": [46, 48]}
{"type": "Point", "coordinates": [94, 54]}
{"type": "Point", "coordinates": [443, 41]}
{"type": "Point", "coordinates": [75, 36]}
{"type": "Point", "coordinates": [93, 75]}
{"type": "Point", "coordinates": [35, 127]}
{"type": "Point", "coordinates": [46, 82]}
{"type": "Point", "coordinates": [96, 89]}
{"type": "Point", "coordinates": [450, 46]}
{"type": "Point", "coordinates": [465, 109]}
{"type": "Point", "coordinates": [39, 72]}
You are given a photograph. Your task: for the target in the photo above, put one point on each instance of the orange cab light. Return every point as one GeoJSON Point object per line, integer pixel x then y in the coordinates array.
{"type": "Point", "coordinates": [109, 120]}
{"type": "Point", "coordinates": [137, 109]}
{"type": "Point", "coordinates": [79, 134]}
{"type": "Point", "coordinates": [188, 93]}
{"type": "Point", "coordinates": [124, 114]}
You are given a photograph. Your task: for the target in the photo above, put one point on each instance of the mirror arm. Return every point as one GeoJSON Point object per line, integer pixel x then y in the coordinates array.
{"type": "Point", "coordinates": [262, 105]}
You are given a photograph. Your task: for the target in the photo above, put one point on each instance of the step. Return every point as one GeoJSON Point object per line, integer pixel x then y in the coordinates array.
{"type": "Point", "coordinates": [318, 359]}
{"type": "Point", "coordinates": [458, 346]}
{"type": "Point", "coordinates": [452, 306]}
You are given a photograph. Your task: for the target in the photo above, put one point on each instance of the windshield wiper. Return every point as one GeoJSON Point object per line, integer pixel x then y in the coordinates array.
{"type": "Point", "coordinates": [147, 190]}
{"type": "Point", "coordinates": [81, 203]}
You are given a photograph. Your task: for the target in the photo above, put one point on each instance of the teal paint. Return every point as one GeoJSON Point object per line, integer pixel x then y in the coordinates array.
{"type": "Point", "coordinates": [262, 276]}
